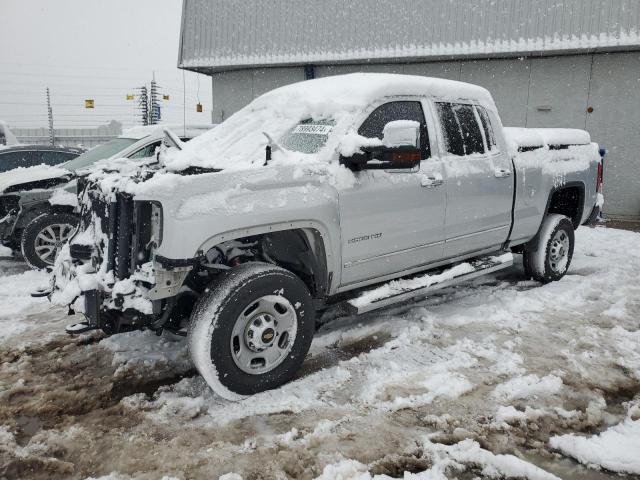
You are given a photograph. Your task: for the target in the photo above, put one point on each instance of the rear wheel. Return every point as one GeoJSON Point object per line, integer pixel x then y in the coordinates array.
{"type": "Point", "coordinates": [44, 236]}
{"type": "Point", "coordinates": [548, 256]}
{"type": "Point", "coordinates": [251, 331]}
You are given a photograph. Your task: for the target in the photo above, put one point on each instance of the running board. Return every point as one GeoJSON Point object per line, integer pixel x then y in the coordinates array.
{"type": "Point", "coordinates": [402, 289]}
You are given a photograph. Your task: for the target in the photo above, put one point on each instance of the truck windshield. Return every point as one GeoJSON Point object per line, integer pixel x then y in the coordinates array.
{"type": "Point", "coordinates": [309, 136]}
{"type": "Point", "coordinates": [100, 152]}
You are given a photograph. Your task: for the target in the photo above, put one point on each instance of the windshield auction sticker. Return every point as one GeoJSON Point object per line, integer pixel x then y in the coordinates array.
{"type": "Point", "coordinates": [313, 129]}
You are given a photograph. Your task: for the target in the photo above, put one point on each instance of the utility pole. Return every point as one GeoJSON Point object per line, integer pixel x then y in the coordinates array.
{"type": "Point", "coordinates": [52, 138]}
{"type": "Point", "coordinates": [143, 105]}
{"type": "Point", "coordinates": [154, 105]}
{"type": "Point", "coordinates": [149, 103]}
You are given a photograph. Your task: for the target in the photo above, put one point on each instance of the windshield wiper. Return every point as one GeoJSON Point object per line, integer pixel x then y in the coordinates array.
{"type": "Point", "coordinates": [271, 146]}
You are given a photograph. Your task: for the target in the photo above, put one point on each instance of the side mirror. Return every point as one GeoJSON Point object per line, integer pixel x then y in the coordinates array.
{"type": "Point", "coordinates": [400, 149]}
{"type": "Point", "coordinates": [401, 133]}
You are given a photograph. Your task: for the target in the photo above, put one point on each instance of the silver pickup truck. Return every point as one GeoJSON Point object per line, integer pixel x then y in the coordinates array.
{"type": "Point", "coordinates": [365, 190]}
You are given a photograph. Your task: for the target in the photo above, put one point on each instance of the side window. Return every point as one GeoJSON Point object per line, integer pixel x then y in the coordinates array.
{"type": "Point", "coordinates": [11, 160]}
{"type": "Point", "coordinates": [373, 126]}
{"type": "Point", "coordinates": [50, 157]}
{"type": "Point", "coordinates": [147, 151]}
{"type": "Point", "coordinates": [487, 128]}
{"type": "Point", "coordinates": [461, 130]}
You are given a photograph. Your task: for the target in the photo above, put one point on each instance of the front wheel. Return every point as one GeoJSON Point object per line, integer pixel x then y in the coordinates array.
{"type": "Point", "coordinates": [548, 256]}
{"type": "Point", "coordinates": [44, 236]}
{"type": "Point", "coordinates": [251, 331]}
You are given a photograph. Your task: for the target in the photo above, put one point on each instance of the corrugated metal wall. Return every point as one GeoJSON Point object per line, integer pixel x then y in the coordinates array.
{"type": "Point", "coordinates": [534, 92]}
{"type": "Point", "coordinates": [222, 34]}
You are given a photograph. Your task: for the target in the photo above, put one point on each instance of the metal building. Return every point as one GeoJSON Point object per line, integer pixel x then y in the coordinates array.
{"type": "Point", "coordinates": [551, 63]}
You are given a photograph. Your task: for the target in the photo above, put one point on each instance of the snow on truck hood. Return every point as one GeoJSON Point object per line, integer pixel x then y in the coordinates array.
{"type": "Point", "coordinates": [22, 175]}
{"type": "Point", "coordinates": [239, 142]}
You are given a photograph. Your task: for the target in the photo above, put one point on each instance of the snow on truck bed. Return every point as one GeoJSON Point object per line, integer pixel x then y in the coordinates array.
{"type": "Point", "coordinates": [539, 137]}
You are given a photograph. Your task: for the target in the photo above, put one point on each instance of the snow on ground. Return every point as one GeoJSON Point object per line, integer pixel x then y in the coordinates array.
{"type": "Point", "coordinates": [16, 284]}
{"type": "Point", "coordinates": [500, 377]}
{"type": "Point", "coordinates": [616, 449]}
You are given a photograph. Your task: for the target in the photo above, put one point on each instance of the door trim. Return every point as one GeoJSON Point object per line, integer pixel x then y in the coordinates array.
{"type": "Point", "coordinates": [390, 254]}
{"type": "Point", "coordinates": [473, 234]}
{"type": "Point", "coordinates": [419, 268]}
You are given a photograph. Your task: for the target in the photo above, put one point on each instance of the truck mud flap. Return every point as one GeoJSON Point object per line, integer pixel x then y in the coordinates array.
{"type": "Point", "coordinates": [397, 291]}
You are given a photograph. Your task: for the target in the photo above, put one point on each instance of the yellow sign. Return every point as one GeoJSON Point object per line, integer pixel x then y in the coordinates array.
{"type": "Point", "coordinates": [199, 108]}
{"type": "Point", "coordinates": [88, 103]}
{"type": "Point", "coordinates": [129, 96]}
{"type": "Point", "coordinates": [165, 97]}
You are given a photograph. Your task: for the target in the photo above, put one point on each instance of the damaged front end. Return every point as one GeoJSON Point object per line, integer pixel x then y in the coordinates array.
{"type": "Point", "coordinates": [108, 271]}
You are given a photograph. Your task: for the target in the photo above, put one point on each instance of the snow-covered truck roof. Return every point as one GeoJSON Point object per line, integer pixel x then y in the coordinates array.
{"type": "Point", "coordinates": [239, 141]}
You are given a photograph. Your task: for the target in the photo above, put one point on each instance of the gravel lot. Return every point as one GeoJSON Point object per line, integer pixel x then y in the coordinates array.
{"type": "Point", "coordinates": [478, 381]}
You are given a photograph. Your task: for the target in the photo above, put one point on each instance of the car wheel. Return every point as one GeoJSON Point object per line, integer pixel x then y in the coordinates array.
{"type": "Point", "coordinates": [251, 330]}
{"type": "Point", "coordinates": [44, 236]}
{"type": "Point", "coordinates": [549, 255]}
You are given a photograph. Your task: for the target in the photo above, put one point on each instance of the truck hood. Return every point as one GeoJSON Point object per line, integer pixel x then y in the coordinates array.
{"type": "Point", "coordinates": [30, 178]}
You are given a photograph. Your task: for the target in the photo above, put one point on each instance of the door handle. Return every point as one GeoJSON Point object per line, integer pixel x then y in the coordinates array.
{"type": "Point", "coordinates": [502, 173]}
{"type": "Point", "coordinates": [431, 182]}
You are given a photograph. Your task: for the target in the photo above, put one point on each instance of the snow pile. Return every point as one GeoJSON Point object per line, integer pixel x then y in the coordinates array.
{"type": "Point", "coordinates": [135, 353]}
{"type": "Point", "coordinates": [616, 449]}
{"type": "Point", "coordinates": [17, 302]}
{"type": "Point", "coordinates": [528, 386]}
{"type": "Point", "coordinates": [30, 174]}
{"type": "Point", "coordinates": [447, 460]}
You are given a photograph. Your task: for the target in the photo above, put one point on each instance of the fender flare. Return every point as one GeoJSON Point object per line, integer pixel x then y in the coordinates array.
{"type": "Point", "coordinates": [308, 226]}
{"type": "Point", "coordinates": [576, 183]}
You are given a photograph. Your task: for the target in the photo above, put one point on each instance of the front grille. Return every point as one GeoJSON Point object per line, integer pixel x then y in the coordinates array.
{"type": "Point", "coordinates": [120, 254]}
{"type": "Point", "coordinates": [119, 220]}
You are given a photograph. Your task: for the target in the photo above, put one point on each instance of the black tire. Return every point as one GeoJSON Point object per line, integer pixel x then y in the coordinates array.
{"type": "Point", "coordinates": [29, 240]}
{"type": "Point", "coordinates": [548, 256]}
{"type": "Point", "coordinates": [211, 329]}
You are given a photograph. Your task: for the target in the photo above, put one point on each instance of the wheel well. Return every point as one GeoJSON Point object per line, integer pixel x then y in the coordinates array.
{"type": "Point", "coordinates": [300, 251]}
{"type": "Point", "coordinates": [37, 210]}
{"type": "Point", "coordinates": [568, 201]}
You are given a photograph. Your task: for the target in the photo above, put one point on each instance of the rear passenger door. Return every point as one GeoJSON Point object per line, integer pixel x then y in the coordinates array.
{"type": "Point", "coordinates": [479, 180]}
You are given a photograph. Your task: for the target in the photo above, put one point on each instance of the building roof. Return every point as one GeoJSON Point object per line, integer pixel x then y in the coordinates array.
{"type": "Point", "coordinates": [220, 35]}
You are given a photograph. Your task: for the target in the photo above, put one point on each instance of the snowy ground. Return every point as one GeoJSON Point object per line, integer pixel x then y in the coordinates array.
{"type": "Point", "coordinates": [496, 378]}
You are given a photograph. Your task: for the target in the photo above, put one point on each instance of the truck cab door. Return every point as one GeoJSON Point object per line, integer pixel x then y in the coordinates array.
{"type": "Point", "coordinates": [392, 221]}
{"type": "Point", "coordinates": [479, 180]}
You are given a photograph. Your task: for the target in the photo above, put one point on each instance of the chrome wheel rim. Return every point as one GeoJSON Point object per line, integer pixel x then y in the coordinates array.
{"type": "Point", "coordinates": [263, 334]}
{"type": "Point", "coordinates": [559, 252]}
{"type": "Point", "coordinates": [50, 240]}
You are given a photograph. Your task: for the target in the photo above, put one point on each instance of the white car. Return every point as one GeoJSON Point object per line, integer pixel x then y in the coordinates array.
{"type": "Point", "coordinates": [37, 204]}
